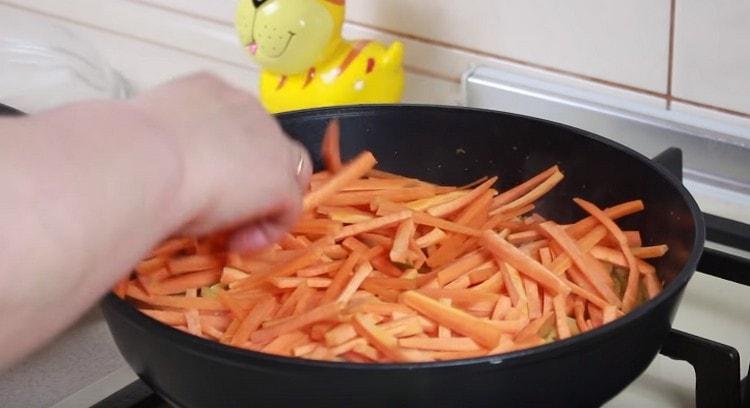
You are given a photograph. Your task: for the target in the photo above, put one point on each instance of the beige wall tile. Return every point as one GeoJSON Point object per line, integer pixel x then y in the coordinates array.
{"type": "Point", "coordinates": [712, 53]}
{"type": "Point", "coordinates": [619, 41]}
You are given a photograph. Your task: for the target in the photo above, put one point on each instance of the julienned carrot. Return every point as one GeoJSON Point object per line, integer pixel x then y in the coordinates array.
{"type": "Point", "coordinates": [400, 246]}
{"type": "Point", "coordinates": [425, 203]}
{"type": "Point", "coordinates": [532, 195]}
{"type": "Point", "coordinates": [330, 150]}
{"type": "Point", "coordinates": [583, 226]}
{"type": "Point", "coordinates": [616, 257]}
{"type": "Point", "coordinates": [373, 224]}
{"type": "Point", "coordinates": [523, 188]}
{"type": "Point", "coordinates": [655, 251]}
{"type": "Point", "coordinates": [363, 270]}
{"type": "Point", "coordinates": [426, 219]}
{"type": "Point", "coordinates": [482, 331]}
{"type": "Point", "coordinates": [594, 271]}
{"type": "Point", "coordinates": [309, 257]}
{"type": "Point", "coordinates": [440, 344]}
{"type": "Point", "coordinates": [325, 312]}
{"type": "Point", "coordinates": [431, 238]}
{"type": "Point", "coordinates": [629, 299]}
{"type": "Point", "coordinates": [252, 321]}
{"type": "Point", "coordinates": [505, 252]}
{"type": "Point", "coordinates": [379, 338]}
{"type": "Point", "coordinates": [561, 318]}
{"type": "Point", "coordinates": [353, 170]}
{"type": "Point", "coordinates": [181, 283]}
{"type": "Point", "coordinates": [340, 278]}
{"type": "Point", "coordinates": [461, 266]}
{"type": "Point", "coordinates": [192, 263]}
{"type": "Point", "coordinates": [420, 272]}
{"type": "Point", "coordinates": [444, 209]}
{"type": "Point", "coordinates": [358, 198]}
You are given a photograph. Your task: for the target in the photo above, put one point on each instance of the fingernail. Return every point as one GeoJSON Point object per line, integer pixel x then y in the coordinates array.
{"type": "Point", "coordinates": [303, 168]}
{"type": "Point", "coordinates": [249, 239]}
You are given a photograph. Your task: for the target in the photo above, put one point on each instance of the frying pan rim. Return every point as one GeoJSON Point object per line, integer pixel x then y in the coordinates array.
{"type": "Point", "coordinates": [237, 356]}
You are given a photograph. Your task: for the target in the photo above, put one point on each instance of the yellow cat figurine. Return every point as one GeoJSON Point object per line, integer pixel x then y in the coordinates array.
{"type": "Point", "coordinates": [306, 63]}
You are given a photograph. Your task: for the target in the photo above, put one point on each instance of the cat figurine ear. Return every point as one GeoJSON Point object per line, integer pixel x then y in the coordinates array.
{"type": "Point", "coordinates": [305, 62]}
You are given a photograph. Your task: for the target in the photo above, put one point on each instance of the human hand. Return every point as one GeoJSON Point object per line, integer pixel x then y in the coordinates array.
{"type": "Point", "coordinates": [239, 169]}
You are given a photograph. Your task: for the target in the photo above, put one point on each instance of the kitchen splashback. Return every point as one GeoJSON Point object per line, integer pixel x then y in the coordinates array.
{"type": "Point", "coordinates": [684, 55]}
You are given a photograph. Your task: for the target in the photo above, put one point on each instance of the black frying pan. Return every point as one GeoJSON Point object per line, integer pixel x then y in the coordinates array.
{"type": "Point", "coordinates": [451, 146]}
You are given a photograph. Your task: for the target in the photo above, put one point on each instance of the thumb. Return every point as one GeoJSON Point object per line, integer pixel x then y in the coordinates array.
{"type": "Point", "coordinates": [270, 227]}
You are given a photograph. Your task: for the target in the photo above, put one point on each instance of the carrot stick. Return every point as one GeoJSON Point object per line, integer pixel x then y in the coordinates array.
{"type": "Point", "coordinates": [325, 312]}
{"type": "Point", "coordinates": [523, 188]}
{"type": "Point", "coordinates": [173, 246]}
{"type": "Point", "coordinates": [150, 265]}
{"type": "Point", "coordinates": [558, 304]}
{"type": "Point", "coordinates": [181, 283]}
{"type": "Point", "coordinates": [426, 219]}
{"type": "Point", "coordinates": [317, 226]}
{"type": "Point", "coordinates": [284, 344]}
{"type": "Point", "coordinates": [583, 226]}
{"type": "Point", "coordinates": [532, 295]}
{"type": "Point", "coordinates": [630, 297]}
{"type": "Point", "coordinates": [287, 282]}
{"type": "Point", "coordinates": [379, 338]}
{"type": "Point", "coordinates": [252, 321]}
{"type": "Point", "coordinates": [229, 275]}
{"type": "Point", "coordinates": [400, 247]}
{"type": "Point", "coordinates": [330, 150]}
{"type": "Point", "coordinates": [345, 214]}
{"type": "Point", "coordinates": [653, 286]}
{"type": "Point", "coordinates": [352, 198]}
{"type": "Point", "coordinates": [457, 320]}
{"type": "Point", "coordinates": [440, 344]}
{"type": "Point", "coordinates": [287, 307]}
{"type": "Point", "coordinates": [363, 270]}
{"type": "Point", "coordinates": [444, 209]}
{"type": "Point", "coordinates": [650, 251]}
{"type": "Point", "coordinates": [340, 279]}
{"type": "Point", "coordinates": [353, 170]}
{"type": "Point", "coordinates": [579, 309]}
{"type": "Point", "coordinates": [425, 203]}
{"type": "Point", "coordinates": [505, 252]}
{"type": "Point", "coordinates": [616, 257]}
{"type": "Point", "coordinates": [373, 224]}
{"type": "Point", "coordinates": [179, 302]}
{"type": "Point", "coordinates": [308, 257]}
{"type": "Point", "coordinates": [431, 238]}
{"type": "Point", "coordinates": [192, 263]}
{"type": "Point", "coordinates": [322, 269]}
{"type": "Point", "coordinates": [609, 314]}
{"type": "Point", "coordinates": [594, 271]}
{"type": "Point", "coordinates": [340, 334]}
{"type": "Point", "coordinates": [460, 267]}
{"type": "Point", "coordinates": [532, 195]}
{"type": "Point", "coordinates": [501, 308]}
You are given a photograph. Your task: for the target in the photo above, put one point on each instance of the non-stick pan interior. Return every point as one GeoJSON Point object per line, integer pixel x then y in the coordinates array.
{"type": "Point", "coordinates": [456, 146]}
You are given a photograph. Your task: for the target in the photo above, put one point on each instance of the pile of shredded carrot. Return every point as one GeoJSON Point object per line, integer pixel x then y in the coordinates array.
{"type": "Point", "coordinates": [386, 268]}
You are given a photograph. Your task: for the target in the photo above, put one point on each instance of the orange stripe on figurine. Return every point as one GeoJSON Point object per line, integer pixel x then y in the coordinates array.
{"type": "Point", "coordinates": [306, 63]}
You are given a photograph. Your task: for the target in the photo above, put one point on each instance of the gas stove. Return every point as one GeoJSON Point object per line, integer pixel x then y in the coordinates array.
{"type": "Point", "coordinates": [702, 362]}
{"type": "Point", "coordinates": [716, 365]}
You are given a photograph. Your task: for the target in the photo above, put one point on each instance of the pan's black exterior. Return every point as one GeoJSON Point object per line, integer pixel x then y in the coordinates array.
{"type": "Point", "coordinates": [452, 146]}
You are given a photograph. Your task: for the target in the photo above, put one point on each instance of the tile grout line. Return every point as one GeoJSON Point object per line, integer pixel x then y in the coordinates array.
{"type": "Point", "coordinates": [126, 35]}
{"type": "Point", "coordinates": [670, 53]}
{"type": "Point", "coordinates": [744, 115]}
{"type": "Point", "coordinates": [668, 96]}
{"type": "Point", "coordinates": [410, 68]}
{"type": "Point", "coordinates": [169, 9]}
{"type": "Point", "coordinates": [430, 41]}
